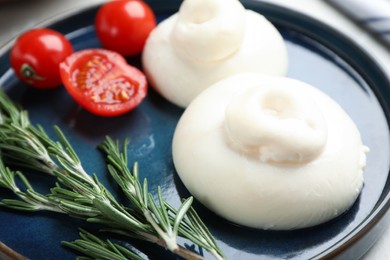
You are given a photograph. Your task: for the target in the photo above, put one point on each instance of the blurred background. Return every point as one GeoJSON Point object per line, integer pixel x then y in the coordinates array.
{"type": "Point", "coordinates": [17, 16]}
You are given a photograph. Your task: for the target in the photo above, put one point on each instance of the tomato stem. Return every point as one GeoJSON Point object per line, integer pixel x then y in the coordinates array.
{"type": "Point", "coordinates": [28, 72]}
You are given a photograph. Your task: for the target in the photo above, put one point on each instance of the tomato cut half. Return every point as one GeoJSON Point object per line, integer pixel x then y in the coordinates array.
{"type": "Point", "coordinates": [102, 82]}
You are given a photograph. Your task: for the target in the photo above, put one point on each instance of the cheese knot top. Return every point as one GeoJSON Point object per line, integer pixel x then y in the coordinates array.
{"type": "Point", "coordinates": [208, 31]}
{"type": "Point", "coordinates": [275, 124]}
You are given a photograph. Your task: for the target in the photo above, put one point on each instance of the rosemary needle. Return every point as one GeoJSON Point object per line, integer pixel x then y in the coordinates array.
{"type": "Point", "coordinates": [95, 248]}
{"type": "Point", "coordinates": [81, 195]}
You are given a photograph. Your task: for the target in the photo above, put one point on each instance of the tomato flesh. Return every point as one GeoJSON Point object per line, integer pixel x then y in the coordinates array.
{"type": "Point", "coordinates": [102, 82]}
{"type": "Point", "coordinates": [36, 55]}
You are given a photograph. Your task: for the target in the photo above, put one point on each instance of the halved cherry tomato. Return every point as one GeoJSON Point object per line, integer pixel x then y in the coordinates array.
{"type": "Point", "coordinates": [123, 26]}
{"type": "Point", "coordinates": [102, 82]}
{"type": "Point", "coordinates": [36, 55]}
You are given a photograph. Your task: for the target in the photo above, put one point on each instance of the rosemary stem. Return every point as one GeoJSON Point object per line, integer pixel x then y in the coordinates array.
{"type": "Point", "coordinates": [216, 255]}
{"type": "Point", "coordinates": [182, 251]}
{"type": "Point", "coordinates": [187, 254]}
{"type": "Point", "coordinates": [170, 241]}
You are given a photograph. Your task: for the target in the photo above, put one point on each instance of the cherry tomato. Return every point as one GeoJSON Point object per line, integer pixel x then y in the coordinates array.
{"type": "Point", "coordinates": [123, 26]}
{"type": "Point", "coordinates": [36, 55]}
{"type": "Point", "coordinates": [102, 82]}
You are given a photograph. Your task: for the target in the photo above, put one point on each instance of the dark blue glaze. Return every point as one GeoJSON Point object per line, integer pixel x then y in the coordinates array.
{"type": "Point", "coordinates": [317, 55]}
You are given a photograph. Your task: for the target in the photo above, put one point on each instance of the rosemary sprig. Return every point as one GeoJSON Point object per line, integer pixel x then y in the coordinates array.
{"type": "Point", "coordinates": [81, 195]}
{"type": "Point", "coordinates": [95, 248]}
{"type": "Point", "coordinates": [30, 200]}
{"type": "Point", "coordinates": [172, 222]}
{"type": "Point", "coordinates": [20, 145]}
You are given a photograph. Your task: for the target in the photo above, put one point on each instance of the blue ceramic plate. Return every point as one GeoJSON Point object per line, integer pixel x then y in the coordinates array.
{"type": "Point", "coordinates": [318, 55]}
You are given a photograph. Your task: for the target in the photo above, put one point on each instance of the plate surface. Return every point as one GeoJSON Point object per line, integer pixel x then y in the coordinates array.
{"type": "Point", "coordinates": [317, 54]}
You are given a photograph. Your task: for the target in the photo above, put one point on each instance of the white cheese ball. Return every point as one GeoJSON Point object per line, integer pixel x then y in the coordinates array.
{"type": "Point", "coordinates": [206, 41]}
{"type": "Point", "coordinates": [269, 153]}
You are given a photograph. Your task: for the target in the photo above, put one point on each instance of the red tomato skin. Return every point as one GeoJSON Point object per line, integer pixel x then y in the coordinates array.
{"type": "Point", "coordinates": [76, 66]}
{"type": "Point", "coordinates": [124, 25]}
{"type": "Point", "coordinates": [42, 50]}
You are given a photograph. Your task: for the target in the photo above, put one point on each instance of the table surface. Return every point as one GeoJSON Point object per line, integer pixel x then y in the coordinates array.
{"type": "Point", "coordinates": [18, 15]}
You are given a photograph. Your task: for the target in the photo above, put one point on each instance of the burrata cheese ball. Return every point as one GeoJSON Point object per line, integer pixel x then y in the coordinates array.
{"type": "Point", "coordinates": [207, 41]}
{"type": "Point", "coordinates": [269, 153]}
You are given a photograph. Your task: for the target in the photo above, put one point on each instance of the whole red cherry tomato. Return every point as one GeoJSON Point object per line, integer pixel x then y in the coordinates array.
{"type": "Point", "coordinates": [36, 55]}
{"type": "Point", "coordinates": [102, 82]}
{"type": "Point", "coordinates": [123, 26]}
